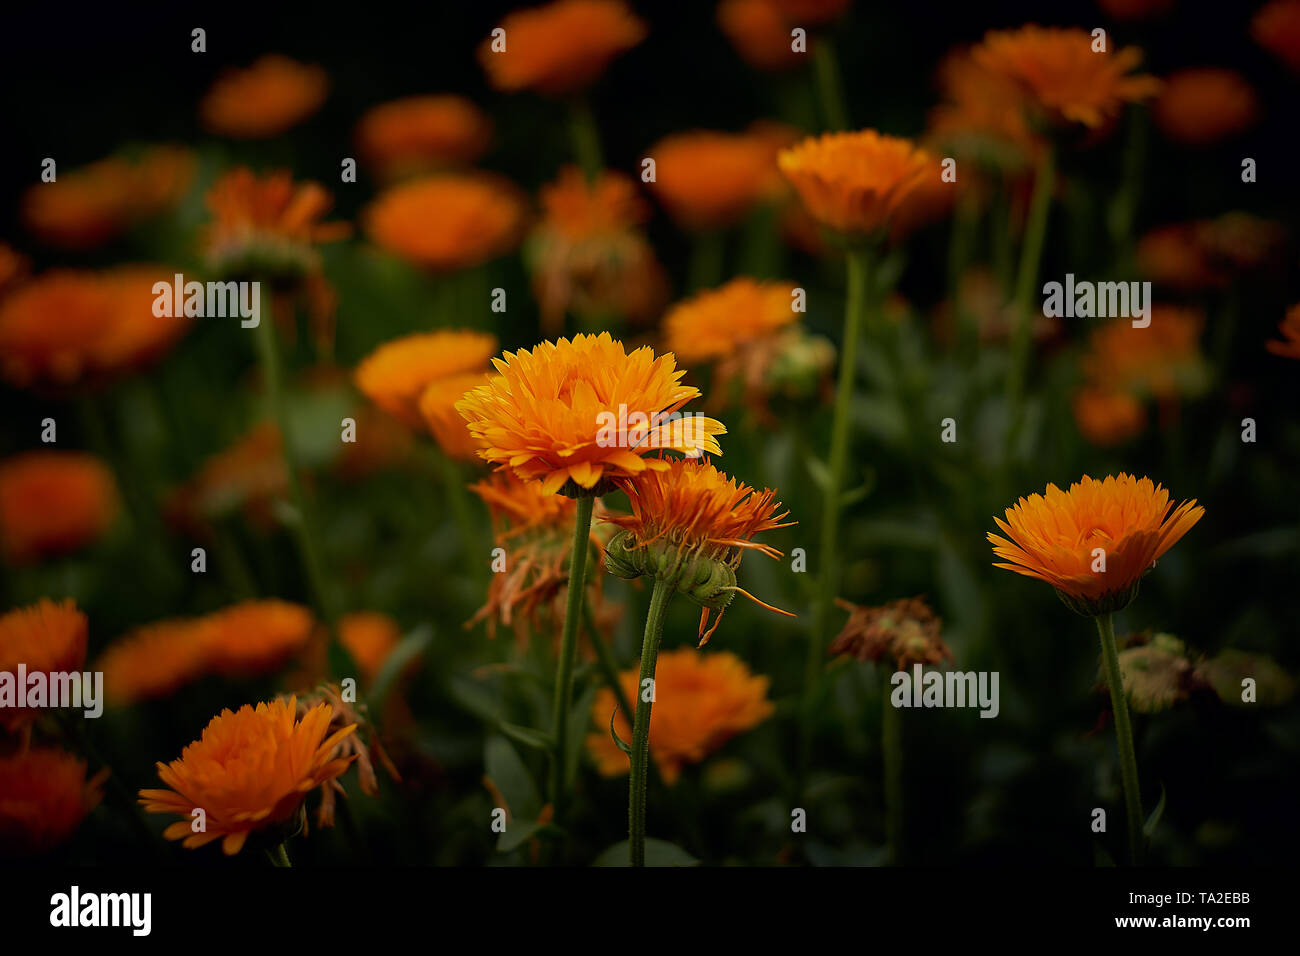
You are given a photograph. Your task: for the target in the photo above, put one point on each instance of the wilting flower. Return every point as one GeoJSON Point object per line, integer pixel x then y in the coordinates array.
{"type": "Point", "coordinates": [369, 636]}
{"type": "Point", "coordinates": [1062, 79]}
{"type": "Point", "coordinates": [351, 747]}
{"type": "Point", "coordinates": [155, 661]}
{"type": "Point", "coordinates": [44, 797]}
{"type": "Point", "coordinates": [53, 503]}
{"type": "Point", "coordinates": [759, 31]}
{"type": "Point", "coordinates": [263, 100]}
{"type": "Point", "coordinates": [420, 133]}
{"type": "Point", "coordinates": [70, 327]}
{"type": "Point", "coordinates": [587, 256]}
{"type": "Point", "coordinates": [561, 47]}
{"type": "Point", "coordinates": [711, 180]}
{"type": "Point", "coordinates": [1290, 329]}
{"type": "Point", "coordinates": [1157, 674]}
{"type": "Point", "coordinates": [1163, 360]}
{"type": "Point", "coordinates": [86, 207]}
{"type": "Point", "coordinates": [554, 413]}
{"type": "Point", "coordinates": [1095, 542]}
{"type": "Point", "coordinates": [536, 530]}
{"type": "Point", "coordinates": [701, 702]}
{"type": "Point", "coordinates": [249, 772]}
{"type": "Point", "coordinates": [858, 184]}
{"type": "Point", "coordinates": [901, 633]}
{"type": "Point", "coordinates": [690, 525]}
{"type": "Point", "coordinates": [396, 374]}
{"type": "Point", "coordinates": [448, 222]}
{"type": "Point", "coordinates": [1276, 27]}
{"type": "Point", "coordinates": [46, 638]}
{"type": "Point", "coordinates": [1205, 105]}
{"type": "Point", "coordinates": [1108, 417]}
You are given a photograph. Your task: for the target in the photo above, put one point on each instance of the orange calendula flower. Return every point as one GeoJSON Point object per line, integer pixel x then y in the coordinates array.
{"type": "Point", "coordinates": [1205, 105]}
{"type": "Point", "coordinates": [713, 324]}
{"type": "Point", "coordinates": [536, 530]}
{"type": "Point", "coordinates": [249, 772]}
{"type": "Point", "coordinates": [1175, 256]}
{"type": "Point", "coordinates": [1095, 542]}
{"type": "Point", "coordinates": [587, 256]}
{"type": "Point", "coordinates": [450, 222]}
{"type": "Point", "coordinates": [1163, 360]}
{"type": "Point", "coordinates": [701, 702]}
{"type": "Point", "coordinates": [1276, 27]}
{"type": "Point", "coordinates": [263, 100]}
{"type": "Point", "coordinates": [155, 661]}
{"type": "Point", "coordinates": [44, 797]}
{"type": "Point", "coordinates": [396, 374]}
{"type": "Point", "coordinates": [267, 225]}
{"type": "Point", "coordinates": [1061, 77]}
{"type": "Point", "coordinates": [1106, 417]}
{"type": "Point", "coordinates": [858, 184]}
{"type": "Point", "coordinates": [251, 474]}
{"type": "Point", "coordinates": [711, 180]}
{"type": "Point", "coordinates": [256, 637]}
{"type": "Point", "coordinates": [981, 115]}
{"type": "Point", "coordinates": [580, 413]}
{"type": "Point", "coordinates": [369, 637]}
{"type": "Point", "coordinates": [46, 638]}
{"type": "Point", "coordinates": [438, 409]}
{"type": "Point", "coordinates": [561, 47]}
{"type": "Point", "coordinates": [87, 207]}
{"type": "Point", "coordinates": [1289, 347]}
{"type": "Point", "coordinates": [691, 524]}
{"type": "Point", "coordinates": [422, 133]}
{"type": "Point", "coordinates": [760, 33]}
{"type": "Point", "coordinates": [53, 503]}
{"type": "Point", "coordinates": [67, 327]}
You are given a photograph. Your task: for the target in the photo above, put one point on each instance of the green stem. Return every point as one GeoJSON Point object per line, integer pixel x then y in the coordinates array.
{"type": "Point", "coordinates": [706, 262]}
{"type": "Point", "coordinates": [563, 693]}
{"type": "Point", "coordinates": [1123, 737]}
{"type": "Point", "coordinates": [654, 626]}
{"type": "Point", "coordinates": [279, 856]}
{"type": "Point", "coordinates": [859, 277]}
{"type": "Point", "coordinates": [1031, 254]}
{"type": "Point", "coordinates": [303, 525]}
{"type": "Point", "coordinates": [891, 745]}
{"type": "Point", "coordinates": [454, 482]}
{"type": "Point", "coordinates": [830, 85]}
{"type": "Point", "coordinates": [586, 139]}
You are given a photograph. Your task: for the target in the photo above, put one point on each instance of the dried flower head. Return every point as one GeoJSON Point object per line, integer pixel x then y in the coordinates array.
{"type": "Point", "coordinates": [900, 633]}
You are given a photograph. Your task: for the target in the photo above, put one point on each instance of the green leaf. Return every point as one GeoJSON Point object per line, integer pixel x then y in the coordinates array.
{"type": "Point", "coordinates": [622, 745]}
{"type": "Point", "coordinates": [1149, 827]}
{"type": "Point", "coordinates": [820, 474]}
{"type": "Point", "coordinates": [536, 739]}
{"type": "Point", "coordinates": [475, 698]}
{"type": "Point", "coordinates": [408, 649]}
{"type": "Point", "coordinates": [508, 773]}
{"type": "Point", "coordinates": [657, 853]}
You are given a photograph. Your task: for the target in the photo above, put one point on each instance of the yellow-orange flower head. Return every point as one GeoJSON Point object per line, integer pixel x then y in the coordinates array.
{"type": "Point", "coordinates": [690, 524]}
{"type": "Point", "coordinates": [396, 374]}
{"type": "Point", "coordinates": [263, 100]}
{"type": "Point", "coordinates": [858, 184]}
{"type": "Point", "coordinates": [44, 796]}
{"type": "Point", "coordinates": [53, 503]}
{"type": "Point", "coordinates": [438, 410]}
{"type": "Point", "coordinates": [714, 323]}
{"type": "Point", "coordinates": [420, 133]}
{"type": "Point", "coordinates": [249, 771]}
{"type": "Point", "coordinates": [711, 180]}
{"type": "Point", "coordinates": [449, 222]}
{"type": "Point", "coordinates": [155, 661]}
{"type": "Point", "coordinates": [47, 638]}
{"type": "Point", "coordinates": [1205, 105]}
{"type": "Point", "coordinates": [584, 412]}
{"type": "Point", "coordinates": [559, 48]}
{"type": "Point", "coordinates": [701, 702]}
{"type": "Point", "coordinates": [1066, 538]}
{"type": "Point", "coordinates": [1062, 78]}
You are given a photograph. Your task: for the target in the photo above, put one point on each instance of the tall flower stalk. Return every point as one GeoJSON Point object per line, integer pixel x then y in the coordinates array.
{"type": "Point", "coordinates": [1123, 736]}
{"type": "Point", "coordinates": [661, 594]}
